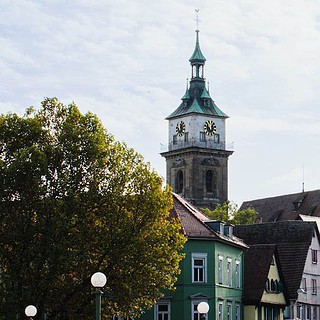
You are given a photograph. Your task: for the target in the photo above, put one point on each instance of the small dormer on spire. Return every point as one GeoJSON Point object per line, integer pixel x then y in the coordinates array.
{"type": "Point", "coordinates": [197, 60]}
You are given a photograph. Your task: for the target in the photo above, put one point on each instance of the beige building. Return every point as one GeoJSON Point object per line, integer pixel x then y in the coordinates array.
{"type": "Point", "coordinates": [264, 297]}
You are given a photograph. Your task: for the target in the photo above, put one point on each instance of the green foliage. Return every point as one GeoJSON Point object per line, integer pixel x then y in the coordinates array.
{"type": "Point", "coordinates": [74, 201]}
{"type": "Point", "coordinates": [229, 213]}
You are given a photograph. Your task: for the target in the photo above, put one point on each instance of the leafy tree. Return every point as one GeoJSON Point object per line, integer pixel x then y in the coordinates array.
{"type": "Point", "coordinates": [229, 213]}
{"type": "Point", "coordinates": [246, 216]}
{"type": "Point", "coordinates": [74, 201]}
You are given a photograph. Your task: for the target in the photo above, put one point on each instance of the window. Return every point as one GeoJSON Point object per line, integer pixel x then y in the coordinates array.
{"type": "Point", "coordinates": [162, 310]}
{"type": "Point", "coordinates": [179, 182]}
{"type": "Point", "coordinates": [195, 314]}
{"type": "Point", "coordinates": [303, 312]}
{"type": "Point", "coordinates": [308, 313]}
{"type": "Point", "coordinates": [216, 138]}
{"type": "Point", "coordinates": [202, 136]}
{"type": "Point", "coordinates": [220, 310]}
{"type": "Point", "coordinates": [186, 136]}
{"type": "Point", "coordinates": [220, 270]}
{"type": "Point", "coordinates": [229, 311]}
{"type": "Point", "coordinates": [314, 256]}
{"type": "Point", "coordinates": [238, 275]}
{"type": "Point", "coordinates": [174, 139]}
{"type": "Point", "coordinates": [229, 272]}
{"type": "Point", "coordinates": [314, 286]}
{"type": "Point", "coordinates": [304, 284]}
{"type": "Point", "coordinates": [267, 286]}
{"type": "Point", "coordinates": [211, 181]}
{"type": "Point", "coordinates": [314, 313]}
{"type": "Point", "coordinates": [237, 311]}
{"type": "Point", "coordinates": [199, 266]}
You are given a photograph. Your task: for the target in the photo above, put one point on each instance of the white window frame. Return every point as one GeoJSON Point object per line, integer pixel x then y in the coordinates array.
{"type": "Point", "coordinates": [220, 310]}
{"type": "Point", "coordinates": [203, 257]}
{"type": "Point", "coordinates": [304, 284]}
{"type": "Point", "coordinates": [238, 311]}
{"type": "Point", "coordinates": [238, 274]}
{"type": "Point", "coordinates": [220, 269]}
{"type": "Point", "coordinates": [314, 256]}
{"type": "Point", "coordinates": [229, 271]}
{"type": "Point", "coordinates": [229, 310]}
{"type": "Point", "coordinates": [195, 315]}
{"type": "Point", "coordinates": [163, 313]}
{"type": "Point", "coordinates": [314, 286]}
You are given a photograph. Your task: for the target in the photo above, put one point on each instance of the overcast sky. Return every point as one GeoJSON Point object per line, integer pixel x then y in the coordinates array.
{"type": "Point", "coordinates": [128, 61]}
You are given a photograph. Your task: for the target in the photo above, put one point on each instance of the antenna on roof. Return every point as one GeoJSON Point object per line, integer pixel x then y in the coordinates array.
{"type": "Point", "coordinates": [303, 177]}
{"type": "Point", "coordinates": [197, 18]}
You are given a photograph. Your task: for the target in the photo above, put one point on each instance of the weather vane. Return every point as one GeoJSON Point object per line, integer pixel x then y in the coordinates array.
{"type": "Point", "coordinates": [197, 17]}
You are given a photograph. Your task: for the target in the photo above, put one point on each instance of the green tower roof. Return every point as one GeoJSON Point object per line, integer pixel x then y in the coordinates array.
{"type": "Point", "coordinates": [197, 55]}
{"type": "Point", "coordinates": [197, 98]}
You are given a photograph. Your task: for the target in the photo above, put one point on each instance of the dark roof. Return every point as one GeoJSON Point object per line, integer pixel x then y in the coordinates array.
{"type": "Point", "coordinates": [192, 220]}
{"type": "Point", "coordinates": [257, 261]}
{"type": "Point", "coordinates": [193, 223]}
{"type": "Point", "coordinates": [286, 207]}
{"type": "Point", "coordinates": [292, 238]}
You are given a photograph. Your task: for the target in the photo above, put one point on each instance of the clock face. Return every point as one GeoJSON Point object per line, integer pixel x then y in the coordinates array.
{"type": "Point", "coordinates": [210, 128]}
{"type": "Point", "coordinates": [180, 128]}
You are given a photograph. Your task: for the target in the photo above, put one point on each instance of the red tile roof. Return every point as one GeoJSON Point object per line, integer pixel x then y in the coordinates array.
{"type": "Point", "coordinates": [193, 223]}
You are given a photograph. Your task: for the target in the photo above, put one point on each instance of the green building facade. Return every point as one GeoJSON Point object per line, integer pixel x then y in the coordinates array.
{"type": "Point", "coordinates": [212, 271]}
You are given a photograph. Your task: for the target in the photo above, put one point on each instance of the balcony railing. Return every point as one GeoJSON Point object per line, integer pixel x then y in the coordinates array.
{"type": "Point", "coordinates": [199, 144]}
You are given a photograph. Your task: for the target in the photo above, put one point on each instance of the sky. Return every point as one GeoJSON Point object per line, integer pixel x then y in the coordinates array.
{"type": "Point", "coordinates": [128, 60]}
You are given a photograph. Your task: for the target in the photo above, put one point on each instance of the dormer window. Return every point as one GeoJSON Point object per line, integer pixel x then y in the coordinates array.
{"type": "Point", "coordinates": [314, 256]}
{"type": "Point", "coordinates": [206, 102]}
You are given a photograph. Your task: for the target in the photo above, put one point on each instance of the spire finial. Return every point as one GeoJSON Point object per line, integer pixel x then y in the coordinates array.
{"type": "Point", "coordinates": [197, 19]}
{"type": "Point", "coordinates": [187, 83]}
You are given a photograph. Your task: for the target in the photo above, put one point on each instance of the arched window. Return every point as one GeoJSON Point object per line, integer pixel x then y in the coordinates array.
{"type": "Point", "coordinates": [179, 181]}
{"type": "Point", "coordinates": [211, 181]}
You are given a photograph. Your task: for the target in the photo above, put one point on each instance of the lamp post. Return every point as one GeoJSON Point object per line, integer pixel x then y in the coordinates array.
{"type": "Point", "coordinates": [203, 309]}
{"type": "Point", "coordinates": [30, 311]}
{"type": "Point", "coordinates": [98, 281]}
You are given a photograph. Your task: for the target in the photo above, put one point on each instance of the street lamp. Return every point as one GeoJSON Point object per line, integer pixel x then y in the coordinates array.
{"type": "Point", "coordinates": [203, 309]}
{"type": "Point", "coordinates": [98, 281]}
{"type": "Point", "coordinates": [30, 311]}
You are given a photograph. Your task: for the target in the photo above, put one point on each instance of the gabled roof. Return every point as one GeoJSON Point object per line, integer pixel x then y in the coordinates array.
{"type": "Point", "coordinates": [193, 223]}
{"type": "Point", "coordinates": [257, 261]}
{"type": "Point", "coordinates": [292, 238]}
{"type": "Point", "coordinates": [286, 207]}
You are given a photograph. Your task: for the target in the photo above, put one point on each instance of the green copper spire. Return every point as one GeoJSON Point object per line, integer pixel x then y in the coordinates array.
{"type": "Point", "coordinates": [197, 99]}
{"type": "Point", "coordinates": [197, 56]}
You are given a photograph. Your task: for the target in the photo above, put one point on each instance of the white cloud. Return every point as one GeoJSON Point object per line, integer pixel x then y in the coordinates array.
{"type": "Point", "coordinates": [127, 61]}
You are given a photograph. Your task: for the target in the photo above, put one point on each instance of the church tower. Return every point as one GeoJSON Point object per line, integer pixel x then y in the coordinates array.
{"type": "Point", "coordinates": [196, 158]}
